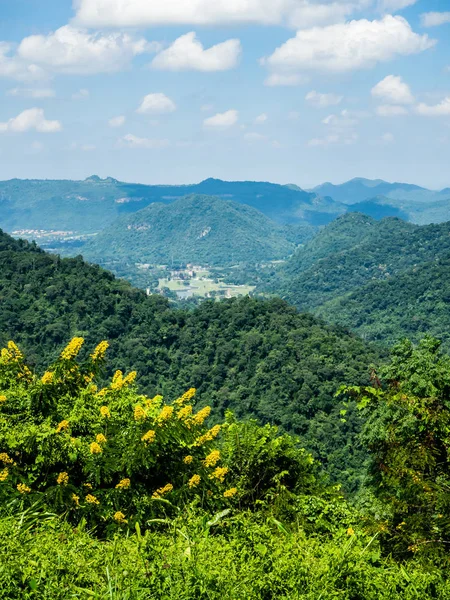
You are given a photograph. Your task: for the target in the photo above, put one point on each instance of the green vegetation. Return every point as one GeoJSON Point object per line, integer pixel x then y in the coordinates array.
{"type": "Point", "coordinates": [109, 493]}
{"type": "Point", "coordinates": [196, 229]}
{"type": "Point", "coordinates": [257, 358]}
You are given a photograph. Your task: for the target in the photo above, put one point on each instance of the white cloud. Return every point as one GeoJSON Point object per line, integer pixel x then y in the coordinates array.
{"type": "Point", "coordinates": [132, 141]}
{"type": "Point", "coordinates": [395, 5]}
{"type": "Point", "coordinates": [254, 137]}
{"type": "Point", "coordinates": [344, 120]}
{"type": "Point", "coordinates": [222, 120]}
{"type": "Point", "coordinates": [393, 90]}
{"type": "Point", "coordinates": [146, 13]}
{"type": "Point", "coordinates": [261, 119]}
{"type": "Point", "coordinates": [76, 51]}
{"type": "Point", "coordinates": [433, 19]}
{"type": "Point", "coordinates": [354, 45]}
{"type": "Point", "coordinates": [156, 104]}
{"type": "Point", "coordinates": [437, 110]}
{"type": "Point", "coordinates": [187, 53]}
{"type": "Point", "coordinates": [39, 93]}
{"type": "Point", "coordinates": [81, 95]}
{"type": "Point", "coordinates": [31, 119]}
{"type": "Point", "coordinates": [15, 68]}
{"type": "Point", "coordinates": [391, 110]}
{"type": "Point", "coordinates": [117, 121]}
{"type": "Point", "coordinates": [322, 100]}
{"type": "Point", "coordinates": [278, 79]}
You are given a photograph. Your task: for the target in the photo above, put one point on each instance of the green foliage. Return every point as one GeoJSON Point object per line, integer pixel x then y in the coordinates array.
{"type": "Point", "coordinates": [257, 358]}
{"type": "Point", "coordinates": [196, 229]}
{"type": "Point", "coordinates": [407, 430]}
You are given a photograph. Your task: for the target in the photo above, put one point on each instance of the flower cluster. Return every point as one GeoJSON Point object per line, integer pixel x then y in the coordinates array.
{"type": "Point", "coordinates": [149, 437]}
{"type": "Point", "coordinates": [185, 412]}
{"type": "Point", "coordinates": [101, 439]}
{"type": "Point", "coordinates": [72, 349]}
{"type": "Point", "coordinates": [162, 491]}
{"type": "Point", "coordinates": [194, 481]}
{"type": "Point", "coordinates": [63, 478]}
{"type": "Point", "coordinates": [186, 396]}
{"type": "Point", "coordinates": [6, 459]}
{"type": "Point", "coordinates": [104, 411]}
{"type": "Point", "coordinates": [63, 426]}
{"type": "Point", "coordinates": [119, 517]}
{"type": "Point", "coordinates": [47, 378]}
{"type": "Point", "coordinates": [139, 413]}
{"type": "Point", "coordinates": [212, 459]}
{"type": "Point", "coordinates": [95, 448]}
{"type": "Point", "coordinates": [165, 414]}
{"type": "Point", "coordinates": [230, 493]}
{"type": "Point", "coordinates": [90, 499]}
{"type": "Point", "coordinates": [12, 353]}
{"type": "Point", "coordinates": [2, 399]}
{"type": "Point", "coordinates": [4, 475]}
{"type": "Point", "coordinates": [124, 484]}
{"type": "Point", "coordinates": [209, 436]}
{"type": "Point", "coordinates": [119, 381]}
{"type": "Point", "coordinates": [219, 474]}
{"type": "Point", "coordinates": [23, 489]}
{"type": "Point", "coordinates": [100, 351]}
{"type": "Point", "coordinates": [201, 416]}
{"type": "Point", "coordinates": [188, 459]}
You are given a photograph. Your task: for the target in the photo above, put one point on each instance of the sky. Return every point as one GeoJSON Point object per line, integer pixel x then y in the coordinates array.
{"type": "Point", "coordinates": [176, 91]}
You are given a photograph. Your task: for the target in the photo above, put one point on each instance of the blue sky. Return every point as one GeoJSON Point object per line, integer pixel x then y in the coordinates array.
{"type": "Point", "coordinates": [163, 91]}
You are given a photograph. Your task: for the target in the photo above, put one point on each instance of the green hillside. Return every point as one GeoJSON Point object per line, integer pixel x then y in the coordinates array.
{"type": "Point", "coordinates": [408, 305]}
{"type": "Point", "coordinates": [255, 357]}
{"type": "Point", "coordinates": [196, 229]}
{"type": "Point", "coordinates": [354, 251]}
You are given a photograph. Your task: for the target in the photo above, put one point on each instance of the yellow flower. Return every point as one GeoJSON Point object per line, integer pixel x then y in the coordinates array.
{"type": "Point", "coordinates": [413, 548]}
{"type": "Point", "coordinates": [76, 499]}
{"type": "Point", "coordinates": [4, 475]}
{"type": "Point", "coordinates": [149, 437]}
{"type": "Point", "coordinates": [2, 399]}
{"type": "Point", "coordinates": [185, 412]}
{"type": "Point", "coordinates": [14, 352]}
{"type": "Point", "coordinates": [350, 531]}
{"type": "Point", "coordinates": [117, 381]}
{"type": "Point", "coordinates": [72, 349]}
{"type": "Point", "coordinates": [212, 459]}
{"type": "Point", "coordinates": [104, 411]}
{"type": "Point", "coordinates": [23, 489]}
{"type": "Point", "coordinates": [47, 377]}
{"type": "Point", "coordinates": [208, 436]}
{"type": "Point", "coordinates": [90, 499]}
{"type": "Point", "coordinates": [139, 413]}
{"type": "Point", "coordinates": [88, 485]}
{"type": "Point", "coordinates": [100, 351]}
{"type": "Point", "coordinates": [95, 448]}
{"type": "Point", "coordinates": [63, 426]}
{"type": "Point", "coordinates": [124, 484]}
{"type": "Point", "coordinates": [5, 458]}
{"type": "Point", "coordinates": [120, 517]}
{"type": "Point", "coordinates": [219, 473]}
{"type": "Point", "coordinates": [161, 491]}
{"type": "Point", "coordinates": [165, 414]}
{"type": "Point", "coordinates": [62, 479]}
{"type": "Point", "coordinates": [188, 459]}
{"type": "Point", "coordinates": [89, 378]}
{"type": "Point", "coordinates": [100, 438]}
{"type": "Point", "coordinates": [102, 393]}
{"type": "Point", "coordinates": [186, 396]}
{"type": "Point", "coordinates": [130, 378]}
{"type": "Point", "coordinates": [201, 416]}
{"type": "Point", "coordinates": [194, 481]}
{"type": "Point", "coordinates": [230, 493]}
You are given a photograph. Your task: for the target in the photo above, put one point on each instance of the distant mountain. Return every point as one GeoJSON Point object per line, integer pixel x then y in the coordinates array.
{"type": "Point", "coordinates": [353, 251]}
{"type": "Point", "coordinates": [195, 229]}
{"type": "Point", "coordinates": [88, 206]}
{"type": "Point", "coordinates": [379, 208]}
{"type": "Point", "coordinates": [360, 189]}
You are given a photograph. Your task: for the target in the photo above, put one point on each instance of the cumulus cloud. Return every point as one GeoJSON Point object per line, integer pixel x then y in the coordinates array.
{"type": "Point", "coordinates": [433, 19]}
{"type": "Point", "coordinates": [29, 120]}
{"type": "Point", "coordinates": [133, 141]}
{"type": "Point", "coordinates": [145, 13]}
{"type": "Point", "coordinates": [347, 46]}
{"type": "Point", "coordinates": [222, 120]}
{"type": "Point", "coordinates": [14, 67]}
{"type": "Point", "coordinates": [393, 90]}
{"type": "Point", "coordinates": [76, 51]}
{"type": "Point", "coordinates": [156, 104]}
{"type": "Point", "coordinates": [117, 121]}
{"type": "Point", "coordinates": [284, 79]}
{"type": "Point", "coordinates": [391, 110]}
{"type": "Point", "coordinates": [188, 54]}
{"type": "Point", "coordinates": [344, 120]}
{"type": "Point", "coordinates": [261, 119]}
{"type": "Point", "coordinates": [39, 93]}
{"type": "Point", "coordinates": [436, 110]}
{"type": "Point", "coordinates": [319, 100]}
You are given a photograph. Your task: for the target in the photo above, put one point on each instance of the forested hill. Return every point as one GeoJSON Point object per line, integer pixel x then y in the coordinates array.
{"type": "Point", "coordinates": [255, 357]}
{"type": "Point", "coordinates": [195, 229]}
{"type": "Point", "coordinates": [354, 251]}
